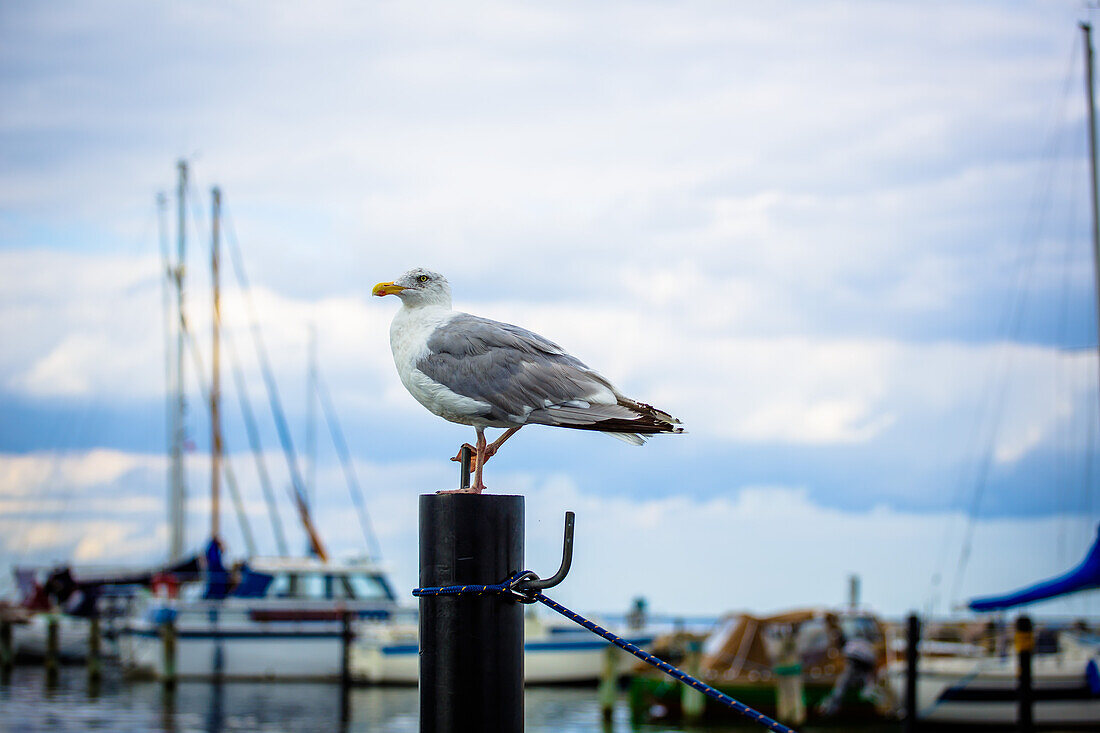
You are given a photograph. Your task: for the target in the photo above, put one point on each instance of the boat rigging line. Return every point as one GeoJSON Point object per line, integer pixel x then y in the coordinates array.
{"type": "Point", "coordinates": [230, 476]}
{"type": "Point", "coordinates": [298, 489]}
{"type": "Point", "coordinates": [255, 444]}
{"type": "Point", "coordinates": [318, 388]}
{"type": "Point", "coordinates": [297, 494]}
{"type": "Point", "coordinates": [992, 405]}
{"type": "Point", "coordinates": [346, 463]}
{"type": "Point", "coordinates": [245, 402]}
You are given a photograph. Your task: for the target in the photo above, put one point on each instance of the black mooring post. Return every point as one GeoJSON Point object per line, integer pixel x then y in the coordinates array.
{"type": "Point", "coordinates": [912, 652]}
{"type": "Point", "coordinates": [1025, 644]}
{"type": "Point", "coordinates": [471, 647]}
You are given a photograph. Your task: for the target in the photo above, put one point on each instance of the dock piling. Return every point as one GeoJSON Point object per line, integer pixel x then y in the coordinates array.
{"type": "Point", "coordinates": [609, 683]}
{"type": "Point", "coordinates": [94, 664]}
{"type": "Point", "coordinates": [168, 636]}
{"type": "Point", "coordinates": [7, 651]}
{"type": "Point", "coordinates": [1025, 645]}
{"type": "Point", "coordinates": [53, 647]}
{"type": "Point", "coordinates": [471, 647]}
{"type": "Point", "coordinates": [692, 701]}
{"type": "Point", "coordinates": [912, 652]}
{"type": "Point", "coordinates": [347, 636]}
{"type": "Point", "coordinates": [790, 704]}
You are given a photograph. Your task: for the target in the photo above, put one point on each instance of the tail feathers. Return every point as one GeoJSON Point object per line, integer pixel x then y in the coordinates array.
{"type": "Point", "coordinates": [632, 438]}
{"type": "Point", "coordinates": [626, 420]}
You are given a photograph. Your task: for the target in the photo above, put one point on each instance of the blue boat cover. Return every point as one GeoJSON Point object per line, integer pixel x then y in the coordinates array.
{"type": "Point", "coordinates": [217, 579]}
{"type": "Point", "coordinates": [1084, 576]}
{"type": "Point", "coordinates": [252, 584]}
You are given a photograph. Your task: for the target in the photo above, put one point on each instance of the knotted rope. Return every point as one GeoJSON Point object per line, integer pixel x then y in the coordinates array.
{"type": "Point", "coordinates": [514, 587]}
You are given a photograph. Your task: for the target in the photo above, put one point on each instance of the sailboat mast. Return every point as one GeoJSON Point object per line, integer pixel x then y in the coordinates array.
{"type": "Point", "coordinates": [177, 499]}
{"type": "Point", "coordinates": [311, 419]}
{"type": "Point", "coordinates": [1086, 29]}
{"type": "Point", "coordinates": [168, 279]}
{"type": "Point", "coordinates": [215, 382]}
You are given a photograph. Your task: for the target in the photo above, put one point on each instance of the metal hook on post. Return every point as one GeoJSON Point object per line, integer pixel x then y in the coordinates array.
{"type": "Point", "coordinates": [527, 585]}
{"type": "Point", "coordinates": [566, 559]}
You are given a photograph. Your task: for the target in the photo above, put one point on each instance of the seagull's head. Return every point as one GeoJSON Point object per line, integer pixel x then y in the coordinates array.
{"type": "Point", "coordinates": [418, 287]}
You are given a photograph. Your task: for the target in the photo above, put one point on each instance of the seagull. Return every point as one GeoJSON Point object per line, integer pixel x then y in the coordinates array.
{"type": "Point", "coordinates": [475, 371]}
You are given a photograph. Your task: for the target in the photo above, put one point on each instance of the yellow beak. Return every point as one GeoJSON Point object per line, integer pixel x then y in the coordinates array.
{"type": "Point", "coordinates": [386, 289]}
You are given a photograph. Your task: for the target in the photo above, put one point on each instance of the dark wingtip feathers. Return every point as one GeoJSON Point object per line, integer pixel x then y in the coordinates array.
{"type": "Point", "coordinates": [647, 420]}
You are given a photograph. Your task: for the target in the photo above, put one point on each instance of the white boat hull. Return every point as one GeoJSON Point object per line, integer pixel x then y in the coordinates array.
{"type": "Point", "coordinates": [982, 691]}
{"type": "Point", "coordinates": [293, 631]}
{"type": "Point", "coordinates": [29, 639]}
{"type": "Point", "coordinates": [312, 651]}
{"type": "Point", "coordinates": [556, 659]}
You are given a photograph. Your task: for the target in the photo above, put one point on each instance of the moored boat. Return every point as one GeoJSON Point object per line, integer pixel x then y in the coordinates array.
{"type": "Point", "coordinates": [983, 691]}
{"type": "Point", "coordinates": [390, 654]}
{"type": "Point", "coordinates": [283, 619]}
{"type": "Point", "coordinates": [795, 666]}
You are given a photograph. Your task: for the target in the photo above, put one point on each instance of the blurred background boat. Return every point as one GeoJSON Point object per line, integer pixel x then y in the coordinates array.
{"type": "Point", "coordinates": [552, 654]}
{"type": "Point", "coordinates": [960, 687]}
{"type": "Point", "coordinates": [796, 666]}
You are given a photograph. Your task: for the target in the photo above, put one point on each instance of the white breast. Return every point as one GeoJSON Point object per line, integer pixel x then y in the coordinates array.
{"type": "Point", "coordinates": [409, 333]}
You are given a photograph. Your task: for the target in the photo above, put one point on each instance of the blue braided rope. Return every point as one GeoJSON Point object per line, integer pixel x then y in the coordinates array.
{"type": "Point", "coordinates": [511, 586]}
{"type": "Point", "coordinates": [473, 590]}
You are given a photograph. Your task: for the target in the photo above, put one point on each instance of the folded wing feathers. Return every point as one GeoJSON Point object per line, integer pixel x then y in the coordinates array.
{"type": "Point", "coordinates": [528, 379]}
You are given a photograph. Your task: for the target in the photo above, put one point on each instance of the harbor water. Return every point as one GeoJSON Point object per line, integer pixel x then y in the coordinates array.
{"type": "Point", "coordinates": [28, 703]}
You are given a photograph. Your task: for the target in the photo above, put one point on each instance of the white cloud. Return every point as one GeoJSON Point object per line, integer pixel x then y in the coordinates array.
{"type": "Point", "coordinates": [34, 474]}
{"type": "Point", "coordinates": [74, 324]}
{"type": "Point", "coordinates": [814, 390]}
{"type": "Point", "coordinates": [691, 353]}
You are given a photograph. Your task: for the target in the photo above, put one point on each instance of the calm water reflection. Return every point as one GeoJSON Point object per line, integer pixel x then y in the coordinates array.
{"type": "Point", "coordinates": [28, 704]}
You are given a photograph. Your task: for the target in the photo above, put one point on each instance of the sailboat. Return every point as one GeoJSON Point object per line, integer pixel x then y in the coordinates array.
{"type": "Point", "coordinates": [278, 617]}
{"type": "Point", "coordinates": [982, 690]}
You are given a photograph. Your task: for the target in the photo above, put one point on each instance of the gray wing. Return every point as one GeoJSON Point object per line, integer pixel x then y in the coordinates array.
{"type": "Point", "coordinates": [523, 377]}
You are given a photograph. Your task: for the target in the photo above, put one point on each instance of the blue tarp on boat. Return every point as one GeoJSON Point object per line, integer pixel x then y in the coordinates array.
{"type": "Point", "coordinates": [217, 579]}
{"type": "Point", "coordinates": [252, 584]}
{"type": "Point", "coordinates": [220, 582]}
{"type": "Point", "coordinates": [1083, 577]}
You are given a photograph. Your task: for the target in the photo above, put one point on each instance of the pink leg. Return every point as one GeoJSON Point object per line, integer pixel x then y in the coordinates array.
{"type": "Point", "coordinates": [482, 454]}
{"type": "Point", "coordinates": [492, 448]}
{"type": "Point", "coordinates": [479, 485]}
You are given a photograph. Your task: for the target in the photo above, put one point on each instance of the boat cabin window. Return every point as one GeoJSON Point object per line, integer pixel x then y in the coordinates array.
{"type": "Point", "coordinates": [280, 587]}
{"type": "Point", "coordinates": [312, 586]}
{"type": "Point", "coordinates": [297, 585]}
{"type": "Point", "coordinates": [316, 586]}
{"type": "Point", "coordinates": [365, 587]}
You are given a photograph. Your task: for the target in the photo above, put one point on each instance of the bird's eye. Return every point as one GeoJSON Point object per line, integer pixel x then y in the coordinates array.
{"type": "Point", "coordinates": [423, 278]}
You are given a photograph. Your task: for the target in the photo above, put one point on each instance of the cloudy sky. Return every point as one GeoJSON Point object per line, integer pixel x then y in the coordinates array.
{"type": "Point", "coordinates": [846, 243]}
